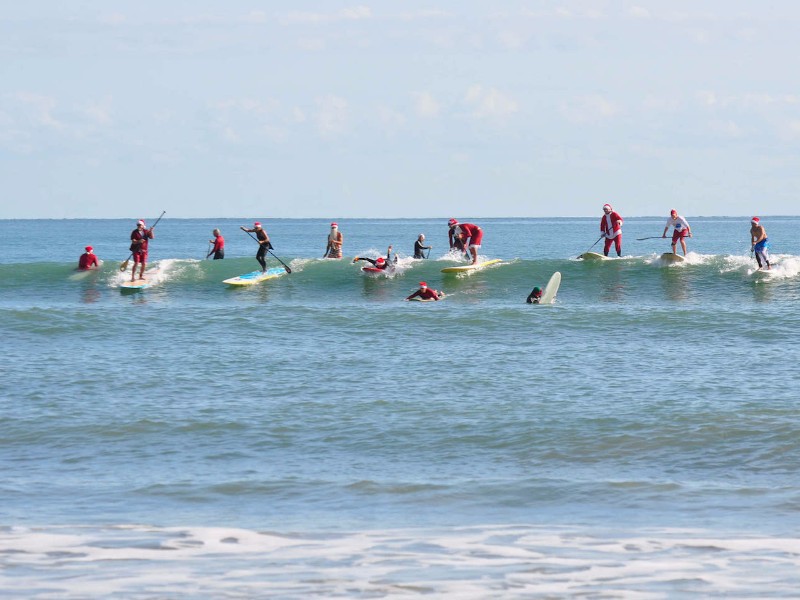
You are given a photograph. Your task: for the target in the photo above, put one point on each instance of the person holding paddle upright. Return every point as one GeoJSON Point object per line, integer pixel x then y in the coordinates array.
{"type": "Point", "coordinates": [335, 240]}
{"type": "Point", "coordinates": [139, 242]}
{"type": "Point", "coordinates": [681, 231]}
{"type": "Point", "coordinates": [419, 246]}
{"type": "Point", "coordinates": [611, 229]}
{"type": "Point", "coordinates": [263, 244]}
{"type": "Point", "coordinates": [219, 245]}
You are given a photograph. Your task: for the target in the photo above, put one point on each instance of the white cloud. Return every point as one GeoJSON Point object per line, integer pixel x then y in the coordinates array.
{"type": "Point", "coordinates": [592, 108]}
{"type": "Point", "coordinates": [639, 12]}
{"type": "Point", "coordinates": [331, 115]}
{"type": "Point", "coordinates": [99, 112]}
{"type": "Point", "coordinates": [256, 16]}
{"type": "Point", "coordinates": [312, 18]}
{"type": "Point", "coordinates": [39, 109]}
{"type": "Point", "coordinates": [490, 103]}
{"type": "Point", "coordinates": [425, 105]}
{"type": "Point", "coordinates": [726, 128]}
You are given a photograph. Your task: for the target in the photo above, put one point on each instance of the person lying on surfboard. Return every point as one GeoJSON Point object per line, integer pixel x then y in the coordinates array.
{"type": "Point", "coordinates": [535, 296]}
{"type": "Point", "coordinates": [380, 262]}
{"type": "Point", "coordinates": [426, 293]}
{"type": "Point", "coordinates": [88, 260]}
{"type": "Point", "coordinates": [470, 236]}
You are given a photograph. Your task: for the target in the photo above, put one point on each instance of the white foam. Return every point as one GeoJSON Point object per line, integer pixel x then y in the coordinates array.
{"type": "Point", "coordinates": [471, 562]}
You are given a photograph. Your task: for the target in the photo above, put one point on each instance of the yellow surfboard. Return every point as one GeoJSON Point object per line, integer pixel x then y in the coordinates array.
{"type": "Point", "coordinates": [467, 268]}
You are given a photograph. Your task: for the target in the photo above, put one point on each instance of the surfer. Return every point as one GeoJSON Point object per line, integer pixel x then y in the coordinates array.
{"type": "Point", "coordinates": [380, 262]}
{"type": "Point", "coordinates": [139, 241]}
{"type": "Point", "coordinates": [426, 293]}
{"type": "Point", "coordinates": [219, 245]}
{"type": "Point", "coordinates": [88, 260]}
{"type": "Point", "coordinates": [419, 247]}
{"type": "Point", "coordinates": [263, 244]}
{"type": "Point", "coordinates": [535, 296]}
{"type": "Point", "coordinates": [760, 242]}
{"type": "Point", "coordinates": [611, 229]}
{"type": "Point", "coordinates": [470, 236]}
{"type": "Point", "coordinates": [335, 239]}
{"type": "Point", "coordinates": [681, 231]}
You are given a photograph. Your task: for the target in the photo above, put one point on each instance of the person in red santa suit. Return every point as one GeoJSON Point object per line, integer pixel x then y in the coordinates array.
{"type": "Point", "coordinates": [611, 229]}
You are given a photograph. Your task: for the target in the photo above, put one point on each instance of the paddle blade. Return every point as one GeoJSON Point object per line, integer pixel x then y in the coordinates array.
{"type": "Point", "coordinates": [124, 266]}
{"type": "Point", "coordinates": [288, 270]}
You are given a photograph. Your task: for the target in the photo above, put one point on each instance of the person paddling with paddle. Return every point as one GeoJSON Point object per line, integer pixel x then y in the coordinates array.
{"type": "Point", "coordinates": [219, 245]}
{"type": "Point", "coordinates": [681, 231]}
{"type": "Point", "coordinates": [335, 240]}
{"type": "Point", "coordinates": [263, 244]}
{"type": "Point", "coordinates": [139, 243]}
{"type": "Point", "coordinates": [419, 247]}
{"type": "Point", "coordinates": [611, 229]}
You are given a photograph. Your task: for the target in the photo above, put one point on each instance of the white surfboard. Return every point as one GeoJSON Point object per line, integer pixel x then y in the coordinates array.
{"type": "Point", "coordinates": [551, 289]}
{"type": "Point", "coordinates": [255, 277]}
{"type": "Point", "coordinates": [671, 258]}
{"type": "Point", "coordinates": [593, 256]}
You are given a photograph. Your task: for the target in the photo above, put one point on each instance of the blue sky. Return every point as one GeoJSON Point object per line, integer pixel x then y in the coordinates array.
{"type": "Point", "coordinates": [121, 108]}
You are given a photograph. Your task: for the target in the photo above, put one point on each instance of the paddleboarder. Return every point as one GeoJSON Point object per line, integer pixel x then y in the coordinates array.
{"type": "Point", "coordinates": [88, 260]}
{"type": "Point", "coordinates": [139, 243]}
{"type": "Point", "coordinates": [470, 236]}
{"type": "Point", "coordinates": [611, 229]}
{"type": "Point", "coordinates": [263, 243]}
{"type": "Point", "coordinates": [219, 245]}
{"type": "Point", "coordinates": [681, 231]}
{"type": "Point", "coordinates": [335, 240]}
{"type": "Point", "coordinates": [426, 293]}
{"type": "Point", "coordinates": [760, 242]}
{"type": "Point", "coordinates": [419, 247]}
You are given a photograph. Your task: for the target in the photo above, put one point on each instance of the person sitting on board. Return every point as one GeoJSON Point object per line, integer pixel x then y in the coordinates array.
{"type": "Point", "coordinates": [611, 229]}
{"type": "Point", "coordinates": [335, 239]}
{"type": "Point", "coordinates": [419, 247]}
{"type": "Point", "coordinates": [426, 293]}
{"type": "Point", "coordinates": [219, 245]}
{"type": "Point", "coordinates": [263, 244]}
{"type": "Point", "coordinates": [760, 242]}
{"type": "Point", "coordinates": [380, 262]}
{"type": "Point", "coordinates": [535, 296]}
{"type": "Point", "coordinates": [470, 236]}
{"type": "Point", "coordinates": [681, 231]}
{"type": "Point", "coordinates": [88, 260]}
{"type": "Point", "coordinates": [139, 240]}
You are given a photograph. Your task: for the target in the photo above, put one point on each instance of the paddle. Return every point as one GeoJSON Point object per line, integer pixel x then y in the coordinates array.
{"type": "Point", "coordinates": [208, 250]}
{"type": "Point", "coordinates": [593, 245]}
{"type": "Point", "coordinates": [124, 265]}
{"type": "Point", "coordinates": [652, 237]}
{"type": "Point", "coordinates": [327, 249]}
{"type": "Point", "coordinates": [288, 270]}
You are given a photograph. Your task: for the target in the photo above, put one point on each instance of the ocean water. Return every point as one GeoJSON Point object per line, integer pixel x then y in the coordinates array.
{"type": "Point", "coordinates": [315, 435]}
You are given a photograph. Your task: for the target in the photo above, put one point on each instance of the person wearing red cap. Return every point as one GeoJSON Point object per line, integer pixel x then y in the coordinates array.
{"type": "Point", "coordinates": [456, 243]}
{"type": "Point", "coordinates": [335, 240]}
{"type": "Point", "coordinates": [219, 245]}
{"type": "Point", "coordinates": [681, 231]}
{"type": "Point", "coordinates": [263, 243]}
{"type": "Point", "coordinates": [611, 229]}
{"type": "Point", "coordinates": [380, 262]}
{"type": "Point", "coordinates": [139, 241]}
{"type": "Point", "coordinates": [760, 242]}
{"type": "Point", "coordinates": [470, 236]}
{"type": "Point", "coordinates": [88, 260]}
{"type": "Point", "coordinates": [425, 293]}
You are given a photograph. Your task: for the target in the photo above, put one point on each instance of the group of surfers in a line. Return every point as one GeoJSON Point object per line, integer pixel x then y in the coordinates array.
{"type": "Point", "coordinates": [462, 237]}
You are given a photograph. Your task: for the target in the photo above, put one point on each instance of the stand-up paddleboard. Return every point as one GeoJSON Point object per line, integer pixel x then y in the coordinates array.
{"type": "Point", "coordinates": [255, 277]}
{"type": "Point", "coordinates": [135, 285]}
{"type": "Point", "coordinates": [593, 256]}
{"type": "Point", "coordinates": [671, 258]}
{"type": "Point", "coordinates": [467, 268]}
{"type": "Point", "coordinates": [551, 289]}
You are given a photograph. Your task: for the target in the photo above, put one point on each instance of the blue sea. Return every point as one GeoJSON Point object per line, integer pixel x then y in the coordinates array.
{"type": "Point", "coordinates": [317, 436]}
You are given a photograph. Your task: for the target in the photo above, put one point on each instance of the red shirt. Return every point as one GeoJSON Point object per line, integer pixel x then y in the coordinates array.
{"type": "Point", "coordinates": [87, 261]}
{"type": "Point", "coordinates": [219, 243]}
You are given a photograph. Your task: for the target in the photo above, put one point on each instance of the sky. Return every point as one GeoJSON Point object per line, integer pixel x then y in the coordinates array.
{"type": "Point", "coordinates": [401, 109]}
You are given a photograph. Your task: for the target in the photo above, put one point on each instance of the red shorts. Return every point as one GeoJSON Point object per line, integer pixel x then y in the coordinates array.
{"type": "Point", "coordinates": [140, 257]}
{"type": "Point", "coordinates": [476, 239]}
{"type": "Point", "coordinates": [676, 235]}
